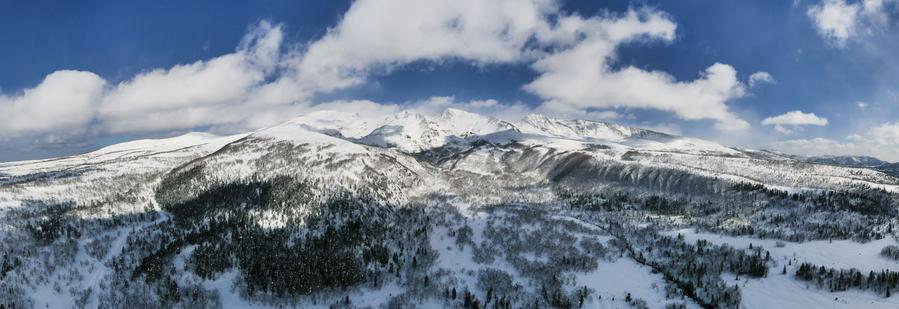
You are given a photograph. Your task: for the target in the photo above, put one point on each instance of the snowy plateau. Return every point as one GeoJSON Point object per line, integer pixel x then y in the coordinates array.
{"type": "Point", "coordinates": [453, 210]}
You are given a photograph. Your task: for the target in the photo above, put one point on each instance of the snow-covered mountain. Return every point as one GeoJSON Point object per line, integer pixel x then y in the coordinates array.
{"type": "Point", "coordinates": [614, 134]}
{"type": "Point", "coordinates": [852, 161]}
{"type": "Point", "coordinates": [890, 168]}
{"type": "Point", "coordinates": [443, 210]}
{"type": "Point", "coordinates": [412, 132]}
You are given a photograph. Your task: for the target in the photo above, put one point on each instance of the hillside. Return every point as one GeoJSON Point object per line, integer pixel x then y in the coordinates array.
{"type": "Point", "coordinates": [456, 209]}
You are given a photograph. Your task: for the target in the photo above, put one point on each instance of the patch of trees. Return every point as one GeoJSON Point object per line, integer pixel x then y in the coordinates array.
{"type": "Point", "coordinates": [891, 252]}
{"type": "Point", "coordinates": [540, 248]}
{"type": "Point", "coordinates": [52, 224]}
{"type": "Point", "coordinates": [326, 239]}
{"type": "Point", "coordinates": [757, 187]}
{"type": "Point", "coordinates": [867, 202]}
{"type": "Point", "coordinates": [269, 263]}
{"type": "Point", "coordinates": [211, 258]}
{"type": "Point", "coordinates": [695, 269]}
{"type": "Point", "coordinates": [8, 264]}
{"type": "Point", "coordinates": [860, 213]}
{"type": "Point", "coordinates": [619, 201]}
{"type": "Point", "coordinates": [883, 282]}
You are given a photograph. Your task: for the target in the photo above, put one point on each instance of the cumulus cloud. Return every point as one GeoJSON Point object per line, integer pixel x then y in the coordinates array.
{"type": "Point", "coordinates": [63, 102]}
{"type": "Point", "coordinates": [376, 36]}
{"type": "Point", "coordinates": [759, 78]}
{"type": "Point", "coordinates": [839, 21]}
{"type": "Point", "coordinates": [266, 80]}
{"type": "Point", "coordinates": [201, 93]}
{"type": "Point", "coordinates": [835, 20]}
{"type": "Point", "coordinates": [885, 134]}
{"type": "Point", "coordinates": [594, 85]}
{"type": "Point", "coordinates": [582, 76]}
{"type": "Point", "coordinates": [794, 119]}
{"type": "Point", "coordinates": [881, 141]}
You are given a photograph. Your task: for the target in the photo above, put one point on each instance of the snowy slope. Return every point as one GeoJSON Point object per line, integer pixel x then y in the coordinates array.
{"type": "Point", "coordinates": [412, 132]}
{"type": "Point", "coordinates": [336, 123]}
{"type": "Point", "coordinates": [93, 176]}
{"type": "Point", "coordinates": [601, 132]}
{"type": "Point", "coordinates": [458, 169]}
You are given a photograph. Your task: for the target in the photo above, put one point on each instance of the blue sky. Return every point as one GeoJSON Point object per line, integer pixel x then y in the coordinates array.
{"type": "Point", "coordinates": [77, 76]}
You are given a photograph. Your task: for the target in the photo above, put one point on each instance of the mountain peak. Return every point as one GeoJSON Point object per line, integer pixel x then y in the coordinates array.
{"type": "Point", "coordinates": [580, 129]}
{"type": "Point", "coordinates": [414, 132]}
{"type": "Point", "coordinates": [451, 112]}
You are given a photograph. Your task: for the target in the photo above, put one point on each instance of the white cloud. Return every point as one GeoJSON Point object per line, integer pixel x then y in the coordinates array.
{"type": "Point", "coordinates": [861, 105]}
{"type": "Point", "coordinates": [584, 81]}
{"type": "Point", "coordinates": [581, 77]}
{"type": "Point", "coordinates": [835, 20]}
{"type": "Point", "coordinates": [488, 107]}
{"type": "Point", "coordinates": [795, 118]}
{"type": "Point", "coordinates": [201, 93]}
{"type": "Point", "coordinates": [839, 21]}
{"type": "Point", "coordinates": [881, 141]}
{"type": "Point", "coordinates": [885, 134]}
{"type": "Point", "coordinates": [788, 122]}
{"type": "Point", "coordinates": [265, 81]}
{"type": "Point", "coordinates": [432, 106]}
{"type": "Point", "coordinates": [63, 102]}
{"type": "Point", "coordinates": [759, 78]}
{"type": "Point", "coordinates": [376, 36]}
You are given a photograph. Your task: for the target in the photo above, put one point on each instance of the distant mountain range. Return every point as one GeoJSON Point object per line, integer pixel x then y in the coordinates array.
{"type": "Point", "coordinates": [856, 161]}
{"type": "Point", "coordinates": [852, 161]}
